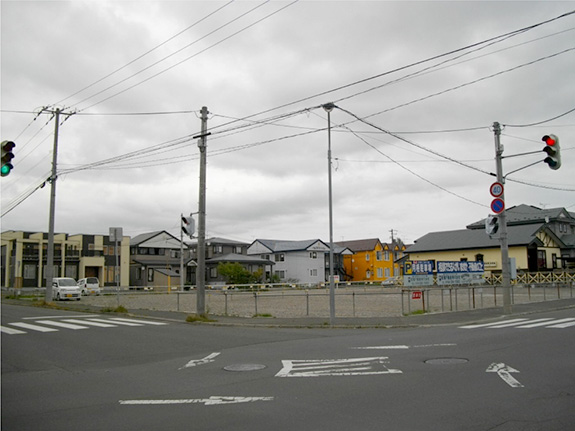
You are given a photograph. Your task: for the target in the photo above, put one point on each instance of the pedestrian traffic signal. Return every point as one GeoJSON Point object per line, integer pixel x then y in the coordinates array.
{"type": "Point", "coordinates": [7, 156]}
{"type": "Point", "coordinates": [491, 224]}
{"type": "Point", "coordinates": [553, 151]}
{"type": "Point", "coordinates": [188, 225]}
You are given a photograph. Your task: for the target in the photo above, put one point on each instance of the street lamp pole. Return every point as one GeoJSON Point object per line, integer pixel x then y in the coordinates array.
{"type": "Point", "coordinates": [328, 107]}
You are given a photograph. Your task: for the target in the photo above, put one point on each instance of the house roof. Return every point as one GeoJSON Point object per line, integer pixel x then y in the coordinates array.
{"type": "Point", "coordinates": [519, 235]}
{"type": "Point", "coordinates": [528, 214]}
{"type": "Point", "coordinates": [139, 239]}
{"type": "Point", "coordinates": [240, 258]}
{"type": "Point", "coordinates": [360, 244]}
{"type": "Point", "coordinates": [276, 246]}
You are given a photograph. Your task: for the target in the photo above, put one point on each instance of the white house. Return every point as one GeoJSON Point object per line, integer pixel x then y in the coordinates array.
{"type": "Point", "coordinates": [295, 261]}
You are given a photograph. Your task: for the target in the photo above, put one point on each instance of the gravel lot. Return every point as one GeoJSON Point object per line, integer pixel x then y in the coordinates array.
{"type": "Point", "coordinates": [349, 302]}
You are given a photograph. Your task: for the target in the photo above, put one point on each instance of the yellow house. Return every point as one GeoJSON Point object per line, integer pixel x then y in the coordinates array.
{"type": "Point", "coordinates": [372, 260]}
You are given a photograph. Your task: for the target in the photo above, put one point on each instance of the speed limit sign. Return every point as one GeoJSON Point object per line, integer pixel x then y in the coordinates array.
{"type": "Point", "coordinates": [496, 189]}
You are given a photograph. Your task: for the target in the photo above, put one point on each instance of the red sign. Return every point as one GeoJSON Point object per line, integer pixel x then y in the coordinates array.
{"type": "Point", "coordinates": [497, 205]}
{"type": "Point", "coordinates": [496, 189]}
{"type": "Point", "coordinates": [416, 294]}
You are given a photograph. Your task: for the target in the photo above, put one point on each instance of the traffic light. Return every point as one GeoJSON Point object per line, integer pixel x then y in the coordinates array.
{"type": "Point", "coordinates": [7, 156]}
{"type": "Point", "coordinates": [491, 224]}
{"type": "Point", "coordinates": [188, 225]}
{"type": "Point", "coordinates": [553, 151]}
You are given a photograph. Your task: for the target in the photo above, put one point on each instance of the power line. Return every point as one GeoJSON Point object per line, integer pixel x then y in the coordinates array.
{"type": "Point", "coordinates": [184, 60]}
{"type": "Point", "coordinates": [146, 53]}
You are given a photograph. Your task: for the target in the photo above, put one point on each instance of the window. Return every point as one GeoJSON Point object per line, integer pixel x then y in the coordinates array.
{"type": "Point", "coordinates": [313, 255]}
{"type": "Point", "coordinates": [29, 272]}
{"type": "Point", "coordinates": [367, 274]}
{"type": "Point", "coordinates": [280, 257]}
{"type": "Point", "coordinates": [313, 272]}
{"type": "Point", "coordinates": [218, 249]}
{"type": "Point", "coordinates": [150, 274]}
{"type": "Point", "coordinates": [386, 257]}
{"type": "Point", "coordinates": [213, 272]}
{"type": "Point", "coordinates": [379, 272]}
{"type": "Point", "coordinates": [280, 274]}
{"type": "Point", "coordinates": [387, 273]}
{"type": "Point", "coordinates": [238, 249]}
{"type": "Point", "coordinates": [367, 256]}
{"type": "Point", "coordinates": [378, 255]}
{"type": "Point", "coordinates": [479, 257]}
{"type": "Point", "coordinates": [541, 259]}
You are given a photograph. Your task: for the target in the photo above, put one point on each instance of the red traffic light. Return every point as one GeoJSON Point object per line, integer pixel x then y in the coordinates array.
{"type": "Point", "coordinates": [549, 140]}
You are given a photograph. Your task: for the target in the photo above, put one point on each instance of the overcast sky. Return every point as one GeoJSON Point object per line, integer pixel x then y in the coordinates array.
{"type": "Point", "coordinates": [428, 79]}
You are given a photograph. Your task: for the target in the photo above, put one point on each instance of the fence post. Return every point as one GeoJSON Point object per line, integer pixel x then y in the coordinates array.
{"type": "Point", "coordinates": [353, 301]}
{"type": "Point", "coordinates": [256, 302]}
{"type": "Point", "coordinates": [225, 302]}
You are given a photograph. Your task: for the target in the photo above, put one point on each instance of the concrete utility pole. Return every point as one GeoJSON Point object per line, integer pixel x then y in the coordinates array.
{"type": "Point", "coordinates": [201, 269]}
{"type": "Point", "coordinates": [49, 270]}
{"type": "Point", "coordinates": [505, 268]}
{"type": "Point", "coordinates": [328, 107]}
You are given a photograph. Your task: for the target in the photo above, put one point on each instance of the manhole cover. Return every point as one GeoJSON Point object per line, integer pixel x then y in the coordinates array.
{"type": "Point", "coordinates": [244, 367]}
{"type": "Point", "coordinates": [446, 361]}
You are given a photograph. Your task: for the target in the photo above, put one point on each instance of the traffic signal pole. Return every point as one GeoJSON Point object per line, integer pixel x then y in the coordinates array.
{"type": "Point", "coordinates": [503, 241]}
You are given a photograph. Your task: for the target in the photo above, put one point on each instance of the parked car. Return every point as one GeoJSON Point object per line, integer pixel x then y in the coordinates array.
{"type": "Point", "coordinates": [391, 281]}
{"type": "Point", "coordinates": [65, 288]}
{"type": "Point", "coordinates": [90, 286]}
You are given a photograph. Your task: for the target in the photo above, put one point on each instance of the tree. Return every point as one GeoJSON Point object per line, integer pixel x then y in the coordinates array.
{"type": "Point", "coordinates": [235, 273]}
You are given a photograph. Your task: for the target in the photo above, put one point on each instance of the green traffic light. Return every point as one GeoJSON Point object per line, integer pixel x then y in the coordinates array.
{"type": "Point", "coordinates": [5, 170]}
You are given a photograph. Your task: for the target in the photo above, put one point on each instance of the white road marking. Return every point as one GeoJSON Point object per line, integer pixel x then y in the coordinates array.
{"type": "Point", "coordinates": [564, 325]}
{"type": "Point", "coordinates": [144, 322]}
{"type": "Point", "coordinates": [118, 322]}
{"type": "Point", "coordinates": [335, 367]}
{"type": "Point", "coordinates": [504, 371]}
{"type": "Point", "coordinates": [100, 323]}
{"type": "Point", "coordinates": [33, 327]}
{"type": "Point", "coordinates": [544, 322]}
{"type": "Point", "coordinates": [206, 360]}
{"type": "Point", "coordinates": [401, 347]}
{"type": "Point", "coordinates": [59, 317]}
{"type": "Point", "coordinates": [11, 331]}
{"type": "Point", "coordinates": [211, 401]}
{"type": "Point", "coordinates": [61, 324]}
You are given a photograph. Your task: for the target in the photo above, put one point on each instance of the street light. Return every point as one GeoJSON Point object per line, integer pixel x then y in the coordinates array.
{"type": "Point", "coordinates": [328, 107]}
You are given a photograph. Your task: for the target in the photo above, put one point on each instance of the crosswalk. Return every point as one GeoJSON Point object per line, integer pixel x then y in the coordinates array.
{"type": "Point", "coordinates": [57, 324]}
{"type": "Point", "coordinates": [526, 323]}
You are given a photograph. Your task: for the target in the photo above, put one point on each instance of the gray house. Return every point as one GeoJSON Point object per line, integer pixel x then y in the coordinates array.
{"type": "Point", "coordinates": [296, 261]}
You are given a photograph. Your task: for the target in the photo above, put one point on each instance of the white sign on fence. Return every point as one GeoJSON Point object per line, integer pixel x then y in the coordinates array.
{"type": "Point", "coordinates": [460, 272]}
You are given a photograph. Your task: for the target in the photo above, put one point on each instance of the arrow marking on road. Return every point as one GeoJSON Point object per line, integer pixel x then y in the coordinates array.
{"type": "Point", "coordinates": [212, 401]}
{"type": "Point", "coordinates": [335, 367]}
{"type": "Point", "coordinates": [206, 360]}
{"type": "Point", "coordinates": [504, 371]}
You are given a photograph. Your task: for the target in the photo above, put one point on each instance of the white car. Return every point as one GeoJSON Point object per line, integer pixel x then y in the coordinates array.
{"type": "Point", "coordinates": [90, 286]}
{"type": "Point", "coordinates": [65, 288]}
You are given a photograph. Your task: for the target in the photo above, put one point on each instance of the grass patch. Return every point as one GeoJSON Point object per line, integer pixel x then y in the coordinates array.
{"type": "Point", "coordinates": [415, 313]}
{"type": "Point", "coordinates": [118, 309]}
{"type": "Point", "coordinates": [199, 318]}
{"type": "Point", "coordinates": [263, 315]}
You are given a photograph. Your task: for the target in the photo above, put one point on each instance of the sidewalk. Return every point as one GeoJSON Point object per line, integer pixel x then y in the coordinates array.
{"type": "Point", "coordinates": [429, 319]}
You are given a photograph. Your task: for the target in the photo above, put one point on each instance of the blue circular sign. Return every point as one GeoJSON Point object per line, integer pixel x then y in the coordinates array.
{"type": "Point", "coordinates": [497, 205]}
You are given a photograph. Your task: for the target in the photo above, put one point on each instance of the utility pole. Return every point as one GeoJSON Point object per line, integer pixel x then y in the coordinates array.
{"type": "Point", "coordinates": [49, 270]}
{"type": "Point", "coordinates": [503, 241]}
{"type": "Point", "coordinates": [201, 269]}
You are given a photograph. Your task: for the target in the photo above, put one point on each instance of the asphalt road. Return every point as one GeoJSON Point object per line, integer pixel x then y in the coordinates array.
{"type": "Point", "coordinates": [144, 374]}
